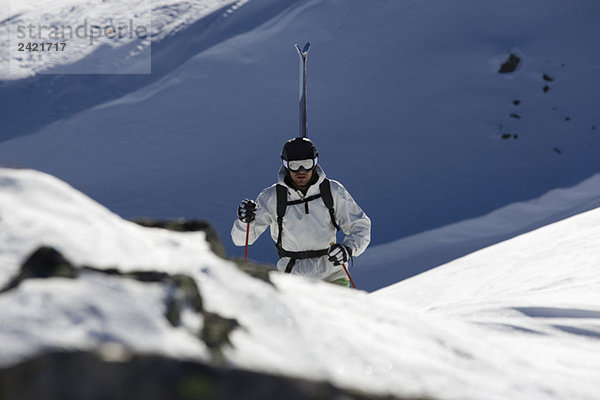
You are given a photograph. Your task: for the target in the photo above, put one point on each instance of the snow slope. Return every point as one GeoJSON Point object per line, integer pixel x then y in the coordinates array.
{"type": "Point", "coordinates": [161, 18]}
{"type": "Point", "coordinates": [405, 105]}
{"type": "Point", "coordinates": [518, 320]}
{"type": "Point", "coordinates": [409, 256]}
{"type": "Point", "coordinates": [542, 287]}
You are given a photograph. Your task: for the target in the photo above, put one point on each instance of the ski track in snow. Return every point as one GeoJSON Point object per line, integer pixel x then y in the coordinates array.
{"type": "Point", "coordinates": [168, 18]}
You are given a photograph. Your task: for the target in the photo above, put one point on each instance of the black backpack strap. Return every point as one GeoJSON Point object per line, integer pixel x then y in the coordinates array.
{"type": "Point", "coordinates": [281, 206]}
{"type": "Point", "coordinates": [281, 200]}
{"type": "Point", "coordinates": [325, 188]}
{"type": "Point", "coordinates": [290, 266]}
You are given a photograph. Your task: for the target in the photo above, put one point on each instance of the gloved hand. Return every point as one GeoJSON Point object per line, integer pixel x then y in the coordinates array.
{"type": "Point", "coordinates": [339, 254]}
{"type": "Point", "coordinates": [247, 211]}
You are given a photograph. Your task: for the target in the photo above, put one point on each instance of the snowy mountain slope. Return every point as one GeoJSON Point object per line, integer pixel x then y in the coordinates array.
{"type": "Point", "coordinates": [516, 320]}
{"type": "Point", "coordinates": [555, 264]}
{"type": "Point", "coordinates": [409, 256]}
{"type": "Point", "coordinates": [542, 285]}
{"type": "Point", "coordinates": [405, 104]}
{"type": "Point", "coordinates": [164, 18]}
{"type": "Point", "coordinates": [179, 30]}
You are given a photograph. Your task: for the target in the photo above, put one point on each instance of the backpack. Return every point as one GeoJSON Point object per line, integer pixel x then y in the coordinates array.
{"type": "Point", "coordinates": [282, 203]}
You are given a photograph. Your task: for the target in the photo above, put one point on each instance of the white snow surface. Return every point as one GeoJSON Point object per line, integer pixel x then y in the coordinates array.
{"type": "Point", "coordinates": [518, 320]}
{"type": "Point", "coordinates": [162, 17]}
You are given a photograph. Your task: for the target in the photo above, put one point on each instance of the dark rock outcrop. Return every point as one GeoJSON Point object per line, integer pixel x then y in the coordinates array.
{"type": "Point", "coordinates": [259, 271]}
{"type": "Point", "coordinates": [187, 225]}
{"type": "Point", "coordinates": [90, 376]}
{"type": "Point", "coordinates": [547, 78]}
{"type": "Point", "coordinates": [45, 262]}
{"type": "Point", "coordinates": [510, 65]}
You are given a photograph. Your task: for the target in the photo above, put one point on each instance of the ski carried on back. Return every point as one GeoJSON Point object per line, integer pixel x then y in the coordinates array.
{"type": "Point", "coordinates": [303, 53]}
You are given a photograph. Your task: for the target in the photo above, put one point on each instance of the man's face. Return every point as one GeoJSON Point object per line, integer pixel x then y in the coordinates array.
{"type": "Point", "coordinates": [301, 177]}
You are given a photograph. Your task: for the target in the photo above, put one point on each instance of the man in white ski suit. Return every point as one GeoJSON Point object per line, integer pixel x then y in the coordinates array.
{"type": "Point", "coordinates": [307, 223]}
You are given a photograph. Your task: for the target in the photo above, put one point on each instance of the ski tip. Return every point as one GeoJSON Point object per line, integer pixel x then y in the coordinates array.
{"type": "Point", "coordinates": [303, 50]}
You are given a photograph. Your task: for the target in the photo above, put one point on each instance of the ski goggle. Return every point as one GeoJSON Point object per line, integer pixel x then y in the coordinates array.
{"type": "Point", "coordinates": [296, 165]}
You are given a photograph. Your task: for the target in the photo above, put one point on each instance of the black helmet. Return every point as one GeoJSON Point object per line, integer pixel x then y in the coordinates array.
{"type": "Point", "coordinates": [299, 149]}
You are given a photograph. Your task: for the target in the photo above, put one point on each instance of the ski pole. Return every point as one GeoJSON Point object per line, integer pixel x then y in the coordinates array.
{"type": "Point", "coordinates": [247, 236]}
{"type": "Point", "coordinates": [349, 277]}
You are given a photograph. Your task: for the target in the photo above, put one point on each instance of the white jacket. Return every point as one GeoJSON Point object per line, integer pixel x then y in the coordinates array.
{"type": "Point", "coordinates": [312, 231]}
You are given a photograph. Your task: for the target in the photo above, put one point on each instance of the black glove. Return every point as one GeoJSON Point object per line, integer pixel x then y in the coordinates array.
{"type": "Point", "coordinates": [339, 254]}
{"type": "Point", "coordinates": [247, 211]}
